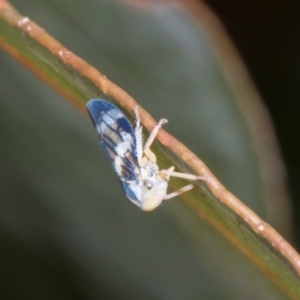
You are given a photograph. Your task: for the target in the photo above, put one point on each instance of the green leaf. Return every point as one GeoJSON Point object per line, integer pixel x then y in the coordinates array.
{"type": "Point", "coordinates": [67, 229]}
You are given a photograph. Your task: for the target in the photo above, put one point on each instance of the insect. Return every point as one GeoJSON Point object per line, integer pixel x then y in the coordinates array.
{"type": "Point", "coordinates": [135, 165]}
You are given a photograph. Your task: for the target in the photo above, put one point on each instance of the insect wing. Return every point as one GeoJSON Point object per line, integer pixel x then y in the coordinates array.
{"type": "Point", "coordinates": [117, 138]}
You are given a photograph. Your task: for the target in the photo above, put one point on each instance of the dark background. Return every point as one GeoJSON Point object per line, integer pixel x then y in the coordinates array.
{"type": "Point", "coordinates": [266, 34]}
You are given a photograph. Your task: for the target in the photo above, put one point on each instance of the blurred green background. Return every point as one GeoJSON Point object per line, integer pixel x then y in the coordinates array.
{"type": "Point", "coordinates": [67, 230]}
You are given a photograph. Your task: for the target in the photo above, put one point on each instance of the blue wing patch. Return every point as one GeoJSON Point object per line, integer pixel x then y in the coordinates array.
{"type": "Point", "coordinates": [117, 138]}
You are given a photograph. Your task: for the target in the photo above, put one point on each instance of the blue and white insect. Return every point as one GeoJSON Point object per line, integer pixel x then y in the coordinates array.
{"type": "Point", "coordinates": [142, 181]}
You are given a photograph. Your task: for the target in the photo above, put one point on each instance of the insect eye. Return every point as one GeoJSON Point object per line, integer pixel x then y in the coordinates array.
{"type": "Point", "coordinates": [149, 185]}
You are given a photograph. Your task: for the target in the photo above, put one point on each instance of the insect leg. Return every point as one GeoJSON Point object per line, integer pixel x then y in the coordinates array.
{"type": "Point", "coordinates": [180, 191]}
{"type": "Point", "coordinates": [149, 155]}
{"type": "Point", "coordinates": [154, 133]}
{"type": "Point", "coordinates": [138, 136]}
{"type": "Point", "coordinates": [171, 173]}
{"type": "Point", "coordinates": [137, 116]}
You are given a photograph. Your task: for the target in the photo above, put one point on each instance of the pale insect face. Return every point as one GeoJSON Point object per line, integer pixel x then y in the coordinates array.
{"type": "Point", "coordinates": [149, 192]}
{"type": "Point", "coordinates": [135, 165]}
{"type": "Point", "coordinates": [153, 193]}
